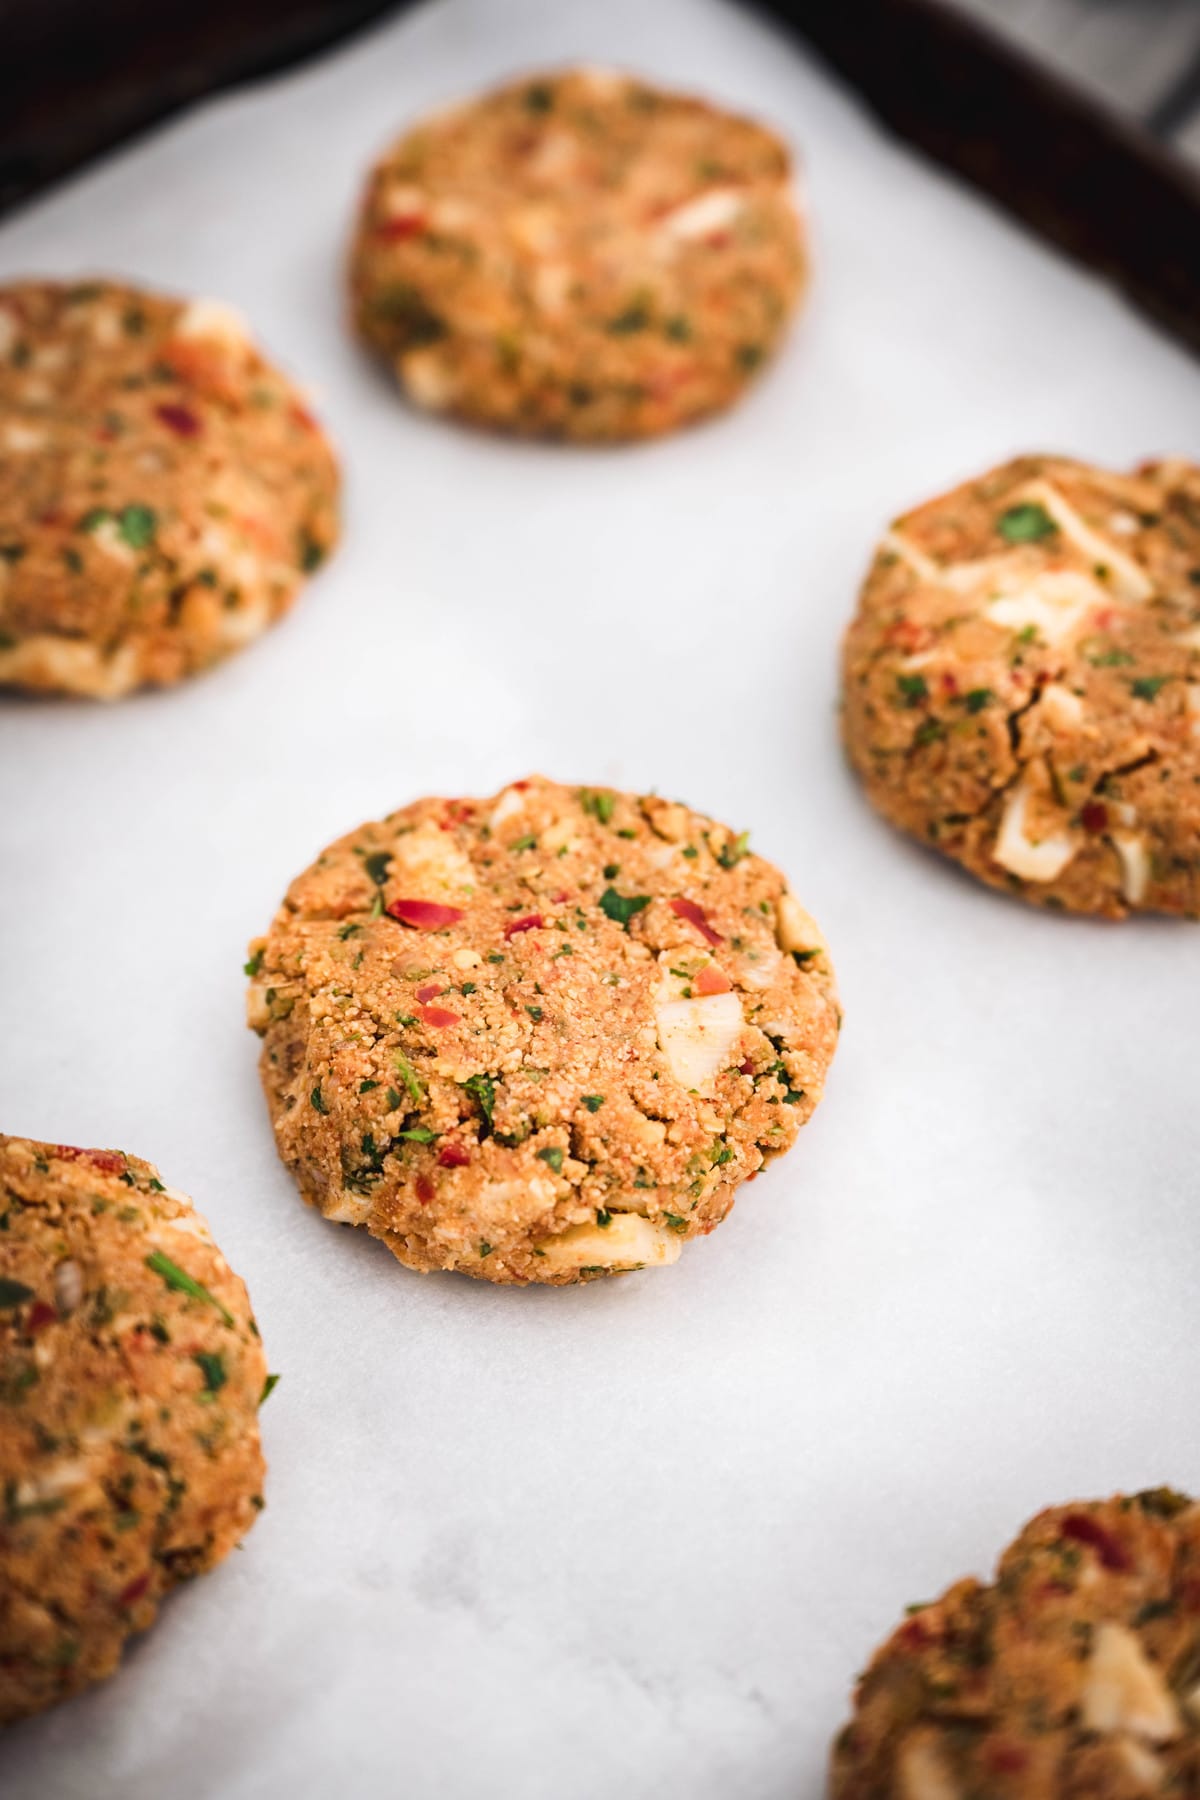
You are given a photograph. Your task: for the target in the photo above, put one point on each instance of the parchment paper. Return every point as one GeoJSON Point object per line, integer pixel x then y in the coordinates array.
{"type": "Point", "coordinates": [633, 1539]}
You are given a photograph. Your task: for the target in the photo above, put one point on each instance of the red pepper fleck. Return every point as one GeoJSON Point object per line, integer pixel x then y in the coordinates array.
{"type": "Point", "coordinates": [949, 682]}
{"type": "Point", "coordinates": [430, 991]}
{"type": "Point", "coordinates": [1094, 816]}
{"type": "Point", "coordinates": [711, 980]}
{"type": "Point", "coordinates": [454, 1156]}
{"type": "Point", "coordinates": [915, 1635]}
{"type": "Point", "coordinates": [907, 635]}
{"type": "Point", "coordinates": [436, 1016]}
{"type": "Point", "coordinates": [178, 419]}
{"type": "Point", "coordinates": [424, 915]}
{"type": "Point", "coordinates": [265, 533]}
{"type": "Point", "coordinates": [41, 1315]}
{"type": "Point", "coordinates": [531, 922]}
{"type": "Point", "coordinates": [560, 898]}
{"type": "Point", "coordinates": [129, 1596]}
{"type": "Point", "coordinates": [111, 1161]}
{"type": "Point", "coordinates": [425, 1189]}
{"type": "Point", "coordinates": [300, 415]}
{"type": "Point", "coordinates": [519, 785]}
{"type": "Point", "coordinates": [1086, 1530]}
{"type": "Point", "coordinates": [668, 381]}
{"type": "Point", "coordinates": [695, 915]}
{"type": "Point", "coordinates": [746, 1068]}
{"type": "Point", "coordinates": [1004, 1758]}
{"type": "Point", "coordinates": [407, 225]}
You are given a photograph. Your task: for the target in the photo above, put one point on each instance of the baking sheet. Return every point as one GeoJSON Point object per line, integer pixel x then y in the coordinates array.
{"type": "Point", "coordinates": [634, 1538]}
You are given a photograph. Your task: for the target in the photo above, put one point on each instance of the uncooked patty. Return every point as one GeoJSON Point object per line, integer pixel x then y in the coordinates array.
{"type": "Point", "coordinates": [579, 255]}
{"type": "Point", "coordinates": [163, 490]}
{"type": "Point", "coordinates": [1074, 1676]}
{"type": "Point", "coordinates": [1022, 682]}
{"type": "Point", "coordinates": [542, 1036]}
{"type": "Point", "coordinates": [130, 1379]}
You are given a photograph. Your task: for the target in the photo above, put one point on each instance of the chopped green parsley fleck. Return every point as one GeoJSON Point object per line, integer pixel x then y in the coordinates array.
{"type": "Point", "coordinates": [600, 805]}
{"type": "Point", "coordinates": [408, 1076]}
{"type": "Point", "coordinates": [212, 1367]}
{"type": "Point", "coordinates": [620, 908]}
{"type": "Point", "coordinates": [731, 854]}
{"type": "Point", "coordinates": [183, 1283]}
{"type": "Point", "coordinates": [482, 1090]}
{"type": "Point", "coordinates": [1026, 523]}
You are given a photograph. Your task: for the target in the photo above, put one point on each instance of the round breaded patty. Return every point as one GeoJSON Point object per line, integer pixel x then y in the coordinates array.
{"type": "Point", "coordinates": [1075, 1676]}
{"type": "Point", "coordinates": [1022, 682]}
{"type": "Point", "coordinates": [539, 1037]}
{"type": "Point", "coordinates": [163, 490]}
{"type": "Point", "coordinates": [579, 255]}
{"type": "Point", "coordinates": [130, 1379]}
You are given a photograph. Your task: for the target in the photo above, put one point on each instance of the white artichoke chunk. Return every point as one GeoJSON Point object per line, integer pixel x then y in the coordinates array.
{"type": "Point", "coordinates": [697, 1036]}
{"type": "Point", "coordinates": [627, 1238]}
{"type": "Point", "coordinates": [1123, 1691]}
{"type": "Point", "coordinates": [1041, 859]}
{"type": "Point", "coordinates": [924, 1772]}
{"type": "Point", "coordinates": [714, 211]}
{"type": "Point", "coordinates": [1053, 602]}
{"type": "Point", "coordinates": [429, 860]}
{"type": "Point", "coordinates": [1135, 864]}
{"type": "Point", "coordinates": [215, 321]}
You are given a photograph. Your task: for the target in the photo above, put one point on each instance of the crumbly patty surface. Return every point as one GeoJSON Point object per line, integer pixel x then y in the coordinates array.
{"type": "Point", "coordinates": [163, 489]}
{"type": "Point", "coordinates": [1074, 1676]}
{"type": "Point", "coordinates": [579, 255]}
{"type": "Point", "coordinates": [539, 1037]}
{"type": "Point", "coordinates": [1022, 682]}
{"type": "Point", "coordinates": [130, 1379]}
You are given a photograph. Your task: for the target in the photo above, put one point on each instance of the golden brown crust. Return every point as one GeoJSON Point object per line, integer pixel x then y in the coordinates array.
{"type": "Point", "coordinates": [1022, 682]}
{"type": "Point", "coordinates": [1075, 1676]}
{"type": "Point", "coordinates": [163, 490]}
{"type": "Point", "coordinates": [130, 1378]}
{"type": "Point", "coordinates": [612, 1016]}
{"type": "Point", "coordinates": [578, 255]}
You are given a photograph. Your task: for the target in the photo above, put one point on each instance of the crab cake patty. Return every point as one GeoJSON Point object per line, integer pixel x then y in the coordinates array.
{"type": "Point", "coordinates": [539, 1037]}
{"type": "Point", "coordinates": [1075, 1676]}
{"type": "Point", "coordinates": [163, 489]}
{"type": "Point", "coordinates": [130, 1379]}
{"type": "Point", "coordinates": [579, 255]}
{"type": "Point", "coordinates": [1022, 682]}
